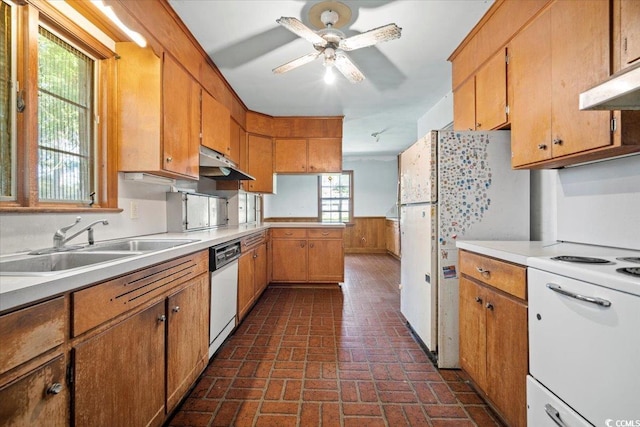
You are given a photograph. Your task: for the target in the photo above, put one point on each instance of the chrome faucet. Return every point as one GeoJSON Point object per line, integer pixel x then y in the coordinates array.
{"type": "Point", "coordinates": [60, 236]}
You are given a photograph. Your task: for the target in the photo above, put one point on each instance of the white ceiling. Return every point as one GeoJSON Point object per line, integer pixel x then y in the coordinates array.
{"type": "Point", "coordinates": [404, 77]}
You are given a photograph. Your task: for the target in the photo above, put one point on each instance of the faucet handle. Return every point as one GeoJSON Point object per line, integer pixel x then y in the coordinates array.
{"type": "Point", "coordinates": [64, 229]}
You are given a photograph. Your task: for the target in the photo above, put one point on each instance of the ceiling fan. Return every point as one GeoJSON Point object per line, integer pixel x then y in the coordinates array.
{"type": "Point", "coordinates": [331, 43]}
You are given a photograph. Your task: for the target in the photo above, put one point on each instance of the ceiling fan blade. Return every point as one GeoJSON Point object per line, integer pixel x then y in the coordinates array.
{"type": "Point", "coordinates": [295, 26]}
{"type": "Point", "coordinates": [296, 63]}
{"type": "Point", "coordinates": [371, 37]}
{"type": "Point", "coordinates": [348, 68]}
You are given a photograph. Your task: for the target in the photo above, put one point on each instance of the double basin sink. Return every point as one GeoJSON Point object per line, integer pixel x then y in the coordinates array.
{"type": "Point", "coordinates": [56, 262]}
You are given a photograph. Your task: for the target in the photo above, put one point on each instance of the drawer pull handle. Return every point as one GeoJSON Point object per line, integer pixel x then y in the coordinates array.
{"type": "Point", "coordinates": [54, 388]}
{"type": "Point", "coordinates": [593, 300]}
{"type": "Point", "coordinates": [479, 300]}
{"type": "Point", "coordinates": [325, 233]}
{"type": "Point", "coordinates": [288, 233]}
{"type": "Point", "coordinates": [483, 271]}
{"type": "Point", "coordinates": [554, 415]}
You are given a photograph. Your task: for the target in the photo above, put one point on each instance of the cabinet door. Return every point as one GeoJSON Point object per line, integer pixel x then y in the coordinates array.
{"type": "Point", "coordinates": [530, 77]}
{"type": "Point", "coordinates": [260, 163]}
{"type": "Point", "coordinates": [491, 93]}
{"type": "Point", "coordinates": [325, 155]}
{"type": "Point", "coordinates": [290, 155]}
{"type": "Point", "coordinates": [464, 106]}
{"type": "Point", "coordinates": [41, 398]}
{"type": "Point", "coordinates": [326, 261]}
{"type": "Point", "coordinates": [630, 31]}
{"type": "Point", "coordinates": [187, 338]}
{"type": "Point", "coordinates": [216, 125]}
{"type": "Point", "coordinates": [181, 119]}
{"type": "Point", "coordinates": [120, 373]}
{"type": "Point", "coordinates": [246, 286]}
{"type": "Point", "coordinates": [289, 260]}
{"type": "Point", "coordinates": [234, 143]}
{"type": "Point", "coordinates": [260, 269]}
{"type": "Point", "coordinates": [473, 343]}
{"type": "Point", "coordinates": [579, 60]}
{"type": "Point", "coordinates": [507, 356]}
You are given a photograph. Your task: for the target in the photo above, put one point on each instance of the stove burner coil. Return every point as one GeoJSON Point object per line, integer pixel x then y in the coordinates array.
{"type": "Point", "coordinates": [634, 259]}
{"type": "Point", "coordinates": [631, 271]}
{"type": "Point", "coordinates": [580, 259]}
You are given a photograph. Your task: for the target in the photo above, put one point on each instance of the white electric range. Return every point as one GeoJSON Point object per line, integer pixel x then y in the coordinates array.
{"type": "Point", "coordinates": [584, 336]}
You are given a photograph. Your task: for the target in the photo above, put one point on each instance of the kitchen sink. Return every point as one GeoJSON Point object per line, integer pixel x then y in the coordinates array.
{"type": "Point", "coordinates": [38, 265]}
{"type": "Point", "coordinates": [138, 245]}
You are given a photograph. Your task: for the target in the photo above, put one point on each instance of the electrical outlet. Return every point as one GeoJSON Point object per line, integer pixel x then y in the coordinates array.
{"type": "Point", "coordinates": [133, 210]}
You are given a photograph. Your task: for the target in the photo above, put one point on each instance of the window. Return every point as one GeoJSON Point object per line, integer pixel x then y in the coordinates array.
{"type": "Point", "coordinates": [65, 112]}
{"type": "Point", "coordinates": [53, 149]}
{"type": "Point", "coordinates": [336, 197]}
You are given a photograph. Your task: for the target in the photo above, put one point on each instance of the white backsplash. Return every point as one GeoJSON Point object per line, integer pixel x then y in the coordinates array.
{"type": "Point", "coordinates": [600, 203]}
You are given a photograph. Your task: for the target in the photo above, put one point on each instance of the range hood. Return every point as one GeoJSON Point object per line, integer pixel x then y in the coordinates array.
{"type": "Point", "coordinates": [621, 91]}
{"type": "Point", "coordinates": [216, 166]}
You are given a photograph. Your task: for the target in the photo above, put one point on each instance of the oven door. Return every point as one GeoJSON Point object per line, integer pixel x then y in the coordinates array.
{"type": "Point", "coordinates": [586, 353]}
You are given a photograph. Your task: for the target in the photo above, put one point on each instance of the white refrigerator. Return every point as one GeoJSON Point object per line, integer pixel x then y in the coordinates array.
{"type": "Point", "coordinates": [453, 186]}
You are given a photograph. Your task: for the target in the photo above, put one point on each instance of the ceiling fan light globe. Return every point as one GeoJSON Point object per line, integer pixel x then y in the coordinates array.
{"type": "Point", "coordinates": [329, 75]}
{"type": "Point", "coordinates": [329, 17]}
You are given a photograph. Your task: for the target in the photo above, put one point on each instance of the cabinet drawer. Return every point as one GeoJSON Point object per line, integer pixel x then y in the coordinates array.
{"type": "Point", "coordinates": [509, 278]}
{"type": "Point", "coordinates": [97, 304]}
{"type": "Point", "coordinates": [292, 233]}
{"type": "Point", "coordinates": [30, 332]}
{"type": "Point", "coordinates": [248, 242]}
{"type": "Point", "coordinates": [318, 233]}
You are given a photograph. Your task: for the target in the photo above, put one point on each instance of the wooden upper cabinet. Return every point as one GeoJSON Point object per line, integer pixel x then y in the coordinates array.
{"type": "Point", "coordinates": [236, 135]}
{"type": "Point", "coordinates": [530, 69]}
{"type": "Point", "coordinates": [216, 125]}
{"type": "Point", "coordinates": [181, 119]}
{"type": "Point", "coordinates": [260, 163]}
{"type": "Point", "coordinates": [480, 103]}
{"type": "Point", "coordinates": [158, 114]}
{"type": "Point", "coordinates": [464, 105]}
{"type": "Point", "coordinates": [629, 32]}
{"type": "Point", "coordinates": [563, 52]}
{"type": "Point", "coordinates": [290, 155]}
{"type": "Point", "coordinates": [491, 93]}
{"type": "Point", "coordinates": [324, 155]}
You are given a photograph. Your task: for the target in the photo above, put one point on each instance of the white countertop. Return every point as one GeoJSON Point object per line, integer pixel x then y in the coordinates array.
{"type": "Point", "coordinates": [19, 290]}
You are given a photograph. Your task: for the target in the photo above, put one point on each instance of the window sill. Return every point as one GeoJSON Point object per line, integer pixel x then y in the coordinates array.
{"type": "Point", "coordinates": [50, 209]}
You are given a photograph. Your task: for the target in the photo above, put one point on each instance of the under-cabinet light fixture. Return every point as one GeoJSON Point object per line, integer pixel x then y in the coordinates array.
{"type": "Point", "coordinates": [109, 13]}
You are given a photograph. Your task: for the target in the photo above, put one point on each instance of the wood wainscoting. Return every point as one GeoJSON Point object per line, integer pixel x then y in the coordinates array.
{"type": "Point", "coordinates": [366, 234]}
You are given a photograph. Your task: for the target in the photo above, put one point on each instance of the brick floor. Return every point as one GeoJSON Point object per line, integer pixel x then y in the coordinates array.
{"type": "Point", "coordinates": [331, 356]}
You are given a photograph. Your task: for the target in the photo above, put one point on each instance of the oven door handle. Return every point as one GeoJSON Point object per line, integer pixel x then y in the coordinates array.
{"type": "Point", "coordinates": [593, 300]}
{"type": "Point", "coordinates": [554, 415]}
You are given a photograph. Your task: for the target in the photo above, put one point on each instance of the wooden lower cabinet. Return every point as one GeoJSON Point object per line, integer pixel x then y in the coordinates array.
{"type": "Point", "coordinates": [187, 333]}
{"type": "Point", "coordinates": [120, 373]}
{"type": "Point", "coordinates": [392, 237]}
{"type": "Point", "coordinates": [252, 272]}
{"type": "Point", "coordinates": [39, 398]}
{"type": "Point", "coordinates": [494, 343]}
{"type": "Point", "coordinates": [313, 255]}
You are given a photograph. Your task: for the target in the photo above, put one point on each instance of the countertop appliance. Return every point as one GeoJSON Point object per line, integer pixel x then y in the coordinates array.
{"type": "Point", "coordinates": [584, 314]}
{"type": "Point", "coordinates": [187, 211]}
{"type": "Point", "coordinates": [452, 185]}
{"type": "Point", "coordinates": [223, 265]}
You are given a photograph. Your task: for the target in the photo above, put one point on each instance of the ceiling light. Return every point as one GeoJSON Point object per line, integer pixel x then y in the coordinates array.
{"type": "Point", "coordinates": [109, 13]}
{"type": "Point", "coordinates": [329, 75]}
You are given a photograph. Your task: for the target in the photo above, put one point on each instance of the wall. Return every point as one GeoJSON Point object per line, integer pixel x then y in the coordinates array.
{"type": "Point", "coordinates": [438, 117]}
{"type": "Point", "coordinates": [375, 181]}
{"type": "Point", "coordinates": [23, 231]}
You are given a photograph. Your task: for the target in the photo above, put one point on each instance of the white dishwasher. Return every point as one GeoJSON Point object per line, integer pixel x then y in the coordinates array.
{"type": "Point", "coordinates": [223, 265]}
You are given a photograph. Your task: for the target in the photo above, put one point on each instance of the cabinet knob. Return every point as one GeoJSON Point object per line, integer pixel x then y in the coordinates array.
{"type": "Point", "coordinates": [482, 271]}
{"type": "Point", "coordinates": [542, 146]}
{"type": "Point", "coordinates": [310, 245]}
{"type": "Point", "coordinates": [162, 318]}
{"type": "Point", "coordinates": [302, 244]}
{"type": "Point", "coordinates": [479, 300]}
{"type": "Point", "coordinates": [489, 306]}
{"type": "Point", "coordinates": [176, 309]}
{"type": "Point", "coordinates": [557, 141]}
{"type": "Point", "coordinates": [478, 125]}
{"type": "Point", "coordinates": [255, 256]}
{"type": "Point", "coordinates": [169, 159]}
{"type": "Point", "coordinates": [54, 388]}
